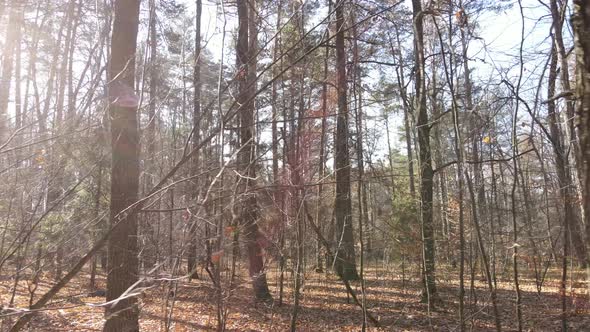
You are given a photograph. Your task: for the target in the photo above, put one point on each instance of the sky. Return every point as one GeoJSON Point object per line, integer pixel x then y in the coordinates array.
{"type": "Point", "coordinates": [500, 35]}
{"type": "Point", "coordinates": [496, 48]}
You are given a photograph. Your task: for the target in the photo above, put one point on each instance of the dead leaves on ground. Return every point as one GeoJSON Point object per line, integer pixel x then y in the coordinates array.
{"type": "Point", "coordinates": [324, 306]}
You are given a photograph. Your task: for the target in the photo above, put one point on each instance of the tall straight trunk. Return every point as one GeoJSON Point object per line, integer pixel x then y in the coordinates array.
{"type": "Point", "coordinates": [249, 213]}
{"type": "Point", "coordinates": [69, 43]}
{"type": "Point", "coordinates": [295, 164]}
{"type": "Point", "coordinates": [58, 170]}
{"type": "Point", "coordinates": [322, 152]}
{"type": "Point", "coordinates": [19, 110]}
{"type": "Point", "coordinates": [147, 226]}
{"type": "Point", "coordinates": [97, 231]}
{"type": "Point", "coordinates": [14, 26]}
{"type": "Point", "coordinates": [345, 261]}
{"type": "Point", "coordinates": [484, 255]}
{"type": "Point", "coordinates": [278, 195]}
{"type": "Point", "coordinates": [442, 191]}
{"type": "Point", "coordinates": [575, 224]}
{"type": "Point", "coordinates": [564, 179]}
{"type": "Point", "coordinates": [459, 153]}
{"type": "Point", "coordinates": [192, 249]}
{"type": "Point", "coordinates": [390, 158]}
{"type": "Point", "coordinates": [558, 14]}
{"type": "Point", "coordinates": [474, 120]}
{"type": "Point", "coordinates": [528, 218]}
{"type": "Point", "coordinates": [475, 128]}
{"type": "Point", "coordinates": [515, 165]}
{"type": "Point", "coordinates": [32, 73]}
{"type": "Point", "coordinates": [53, 72]}
{"type": "Point", "coordinates": [494, 216]}
{"type": "Point", "coordinates": [407, 107]}
{"type": "Point", "coordinates": [71, 109]}
{"type": "Point", "coordinates": [122, 245]}
{"type": "Point", "coordinates": [581, 24]}
{"type": "Point", "coordinates": [361, 185]}
{"type": "Point", "coordinates": [425, 157]}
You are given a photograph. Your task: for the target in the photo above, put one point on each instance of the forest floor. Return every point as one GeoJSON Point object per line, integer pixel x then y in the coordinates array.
{"type": "Point", "coordinates": [390, 297]}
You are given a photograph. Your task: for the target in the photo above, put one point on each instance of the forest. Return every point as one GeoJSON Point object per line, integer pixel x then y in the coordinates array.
{"type": "Point", "coordinates": [294, 165]}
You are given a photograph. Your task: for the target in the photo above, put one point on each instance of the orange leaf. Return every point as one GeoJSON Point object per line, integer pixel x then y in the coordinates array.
{"type": "Point", "coordinates": [229, 230]}
{"type": "Point", "coordinates": [216, 256]}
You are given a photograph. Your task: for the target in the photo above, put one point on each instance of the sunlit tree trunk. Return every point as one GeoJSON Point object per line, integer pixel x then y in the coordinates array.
{"type": "Point", "coordinates": [122, 245]}
{"type": "Point", "coordinates": [249, 213]}
{"type": "Point", "coordinates": [192, 249]}
{"type": "Point", "coordinates": [147, 225]}
{"type": "Point", "coordinates": [345, 264]}
{"type": "Point", "coordinates": [322, 154]}
{"type": "Point", "coordinates": [14, 25]}
{"type": "Point", "coordinates": [576, 224]}
{"type": "Point", "coordinates": [581, 23]}
{"type": "Point", "coordinates": [425, 157]}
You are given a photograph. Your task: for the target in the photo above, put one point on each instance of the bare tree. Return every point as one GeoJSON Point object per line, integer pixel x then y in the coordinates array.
{"type": "Point", "coordinates": [429, 293]}
{"type": "Point", "coordinates": [192, 251]}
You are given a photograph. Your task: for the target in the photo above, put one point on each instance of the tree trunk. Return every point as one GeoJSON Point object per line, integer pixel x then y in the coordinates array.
{"type": "Point", "coordinates": [575, 224]}
{"type": "Point", "coordinates": [345, 264]}
{"type": "Point", "coordinates": [484, 255]}
{"type": "Point", "coordinates": [14, 25]}
{"type": "Point", "coordinates": [97, 232]}
{"type": "Point", "coordinates": [122, 245]}
{"type": "Point", "coordinates": [148, 253]}
{"type": "Point", "coordinates": [246, 160]}
{"type": "Point", "coordinates": [563, 175]}
{"type": "Point", "coordinates": [407, 107]}
{"type": "Point", "coordinates": [581, 23]}
{"type": "Point", "coordinates": [69, 44]}
{"type": "Point", "coordinates": [322, 153]}
{"type": "Point", "coordinates": [278, 195]}
{"type": "Point", "coordinates": [425, 157]}
{"type": "Point", "coordinates": [192, 249]}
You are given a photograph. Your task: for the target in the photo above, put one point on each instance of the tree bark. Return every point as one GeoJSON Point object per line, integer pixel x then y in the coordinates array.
{"type": "Point", "coordinates": [425, 156]}
{"type": "Point", "coordinates": [122, 245]}
{"type": "Point", "coordinates": [563, 175]}
{"type": "Point", "coordinates": [246, 160]}
{"type": "Point", "coordinates": [322, 152]}
{"type": "Point", "coordinates": [192, 250]}
{"type": "Point", "coordinates": [575, 224]}
{"type": "Point", "coordinates": [345, 261]}
{"type": "Point", "coordinates": [149, 258]}
{"type": "Point", "coordinates": [484, 255]}
{"type": "Point", "coordinates": [581, 24]}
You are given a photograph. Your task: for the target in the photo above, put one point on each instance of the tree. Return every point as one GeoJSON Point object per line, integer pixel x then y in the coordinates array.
{"type": "Point", "coordinates": [122, 245]}
{"type": "Point", "coordinates": [249, 212]}
{"type": "Point", "coordinates": [345, 265]}
{"type": "Point", "coordinates": [575, 224]}
{"type": "Point", "coordinates": [192, 250]}
{"type": "Point", "coordinates": [425, 157]}
{"type": "Point", "coordinates": [581, 24]}
{"type": "Point", "coordinates": [11, 47]}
